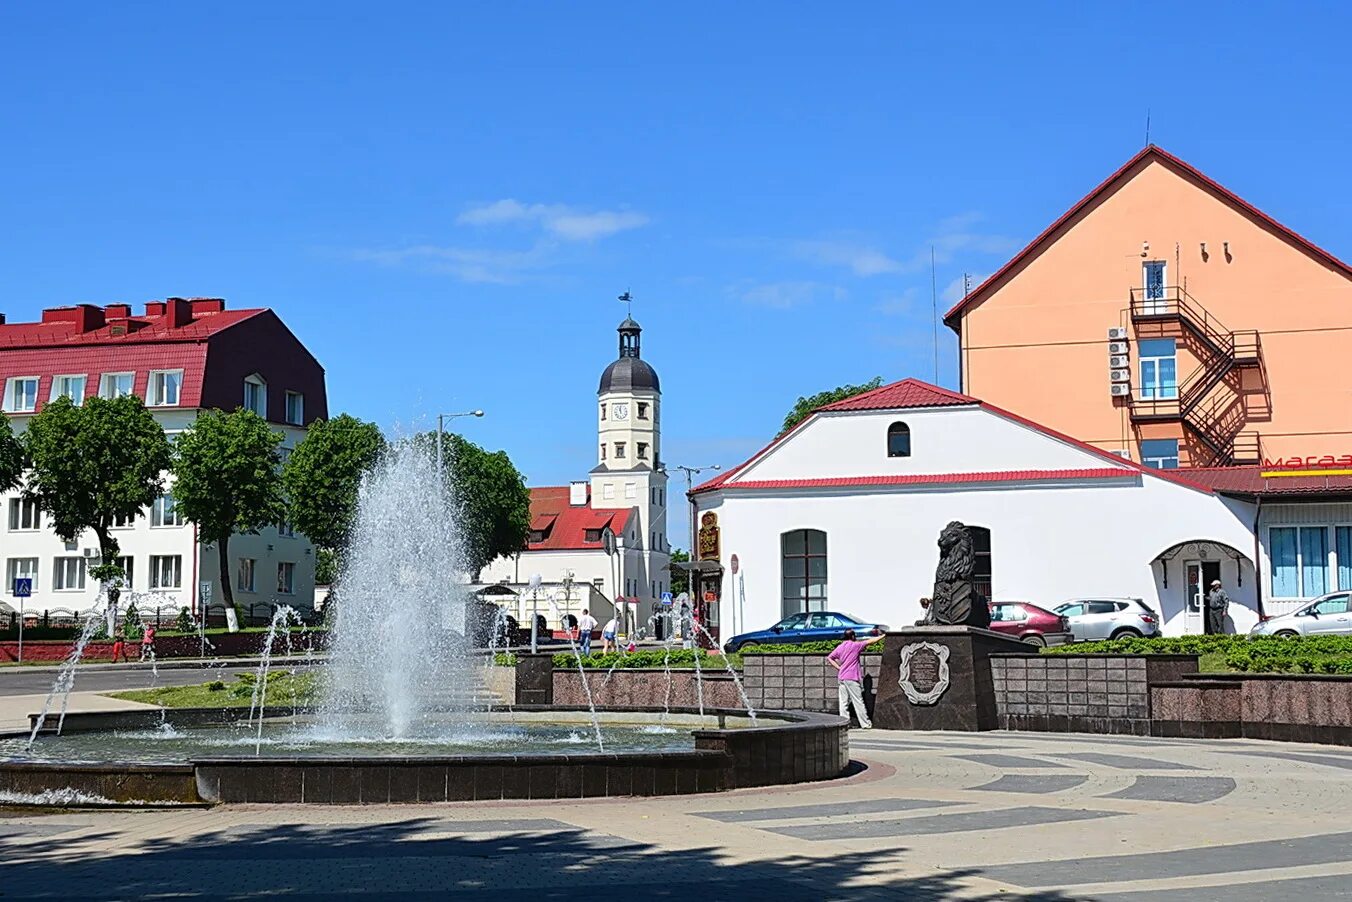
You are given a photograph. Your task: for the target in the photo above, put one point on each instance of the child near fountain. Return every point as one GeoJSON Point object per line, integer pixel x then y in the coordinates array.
{"type": "Point", "coordinates": [120, 646]}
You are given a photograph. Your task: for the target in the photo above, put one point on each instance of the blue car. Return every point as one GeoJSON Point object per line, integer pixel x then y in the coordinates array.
{"type": "Point", "coordinates": [816, 626]}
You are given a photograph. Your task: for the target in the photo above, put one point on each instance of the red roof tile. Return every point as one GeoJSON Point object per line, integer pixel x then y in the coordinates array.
{"type": "Point", "coordinates": [907, 393]}
{"type": "Point", "coordinates": [1150, 152]}
{"type": "Point", "coordinates": [565, 525]}
{"type": "Point", "coordinates": [1250, 481]}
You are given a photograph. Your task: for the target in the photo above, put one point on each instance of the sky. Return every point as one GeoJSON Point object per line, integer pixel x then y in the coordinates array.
{"type": "Point", "coordinates": [443, 200]}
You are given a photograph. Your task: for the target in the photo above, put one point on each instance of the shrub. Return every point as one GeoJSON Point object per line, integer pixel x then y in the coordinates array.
{"type": "Point", "coordinates": [804, 648]}
{"type": "Point", "coordinates": [215, 686]}
{"type": "Point", "coordinates": [1250, 654]}
{"type": "Point", "coordinates": [681, 658]}
{"type": "Point", "coordinates": [185, 623]}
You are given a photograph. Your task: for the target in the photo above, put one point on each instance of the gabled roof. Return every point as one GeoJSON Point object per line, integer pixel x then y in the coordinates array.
{"type": "Point", "coordinates": [565, 525]}
{"type": "Point", "coordinates": [1150, 153]}
{"type": "Point", "coordinates": [130, 330]}
{"type": "Point", "coordinates": [903, 395]}
{"type": "Point", "coordinates": [916, 393]}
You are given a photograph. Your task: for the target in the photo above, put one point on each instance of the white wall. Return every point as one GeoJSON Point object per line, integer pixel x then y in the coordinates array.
{"type": "Point", "coordinates": [1048, 542]}
{"type": "Point", "coordinates": [943, 440]}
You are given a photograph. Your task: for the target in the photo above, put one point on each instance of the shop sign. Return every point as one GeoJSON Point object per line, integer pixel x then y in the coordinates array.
{"type": "Point", "coordinates": [1314, 465]}
{"type": "Point", "coordinates": [708, 537]}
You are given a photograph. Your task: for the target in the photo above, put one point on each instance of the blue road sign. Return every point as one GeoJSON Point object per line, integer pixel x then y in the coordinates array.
{"type": "Point", "coordinates": [666, 599]}
{"type": "Point", "coordinates": [23, 587]}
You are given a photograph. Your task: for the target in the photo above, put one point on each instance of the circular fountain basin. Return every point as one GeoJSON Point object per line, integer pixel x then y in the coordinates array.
{"type": "Point", "coordinates": [209, 755]}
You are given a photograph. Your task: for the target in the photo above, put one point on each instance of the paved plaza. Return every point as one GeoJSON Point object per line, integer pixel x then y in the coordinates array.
{"type": "Point", "coordinates": [927, 816]}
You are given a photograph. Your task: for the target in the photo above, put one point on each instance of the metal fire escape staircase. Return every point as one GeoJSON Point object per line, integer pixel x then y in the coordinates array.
{"type": "Point", "coordinates": [1215, 417]}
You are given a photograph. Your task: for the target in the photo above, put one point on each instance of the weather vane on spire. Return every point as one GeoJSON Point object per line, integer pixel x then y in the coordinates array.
{"type": "Point", "coordinates": [628, 303]}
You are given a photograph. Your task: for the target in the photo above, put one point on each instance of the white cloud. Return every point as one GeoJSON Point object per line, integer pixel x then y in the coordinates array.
{"type": "Point", "coordinates": [903, 304]}
{"type": "Point", "coordinates": [784, 295]}
{"type": "Point", "coordinates": [861, 259]}
{"type": "Point", "coordinates": [469, 264]}
{"type": "Point", "coordinates": [558, 220]}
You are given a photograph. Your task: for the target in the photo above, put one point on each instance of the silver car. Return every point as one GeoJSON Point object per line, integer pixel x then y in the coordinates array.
{"type": "Point", "coordinates": [1328, 615]}
{"type": "Point", "coordinates": [1109, 618]}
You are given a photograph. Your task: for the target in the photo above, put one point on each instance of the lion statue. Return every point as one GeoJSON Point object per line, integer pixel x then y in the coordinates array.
{"type": "Point", "coordinates": [955, 600]}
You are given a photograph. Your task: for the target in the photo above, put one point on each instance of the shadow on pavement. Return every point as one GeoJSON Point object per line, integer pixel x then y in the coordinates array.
{"type": "Point", "coordinates": [433, 858]}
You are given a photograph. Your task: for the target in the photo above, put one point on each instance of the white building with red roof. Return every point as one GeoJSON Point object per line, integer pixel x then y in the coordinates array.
{"type": "Point", "coordinates": [842, 513]}
{"type": "Point", "coordinates": [625, 497]}
{"type": "Point", "coordinates": [182, 356]}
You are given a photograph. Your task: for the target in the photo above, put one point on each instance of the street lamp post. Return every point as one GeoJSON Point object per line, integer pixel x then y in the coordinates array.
{"type": "Point", "coordinates": [441, 430]}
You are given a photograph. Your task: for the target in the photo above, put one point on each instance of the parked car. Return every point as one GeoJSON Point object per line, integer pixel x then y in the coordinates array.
{"type": "Point", "coordinates": [1328, 615]}
{"type": "Point", "coordinates": [1109, 618]}
{"type": "Point", "coordinates": [1026, 621]}
{"type": "Point", "coordinates": [814, 626]}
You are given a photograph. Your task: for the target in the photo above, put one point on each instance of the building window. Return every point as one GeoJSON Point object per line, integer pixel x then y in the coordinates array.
{"type": "Point", "coordinates": [164, 388]}
{"type": "Point", "coordinates": [256, 395]}
{"type": "Point", "coordinates": [164, 513]}
{"type": "Point", "coordinates": [21, 568]}
{"type": "Point", "coordinates": [898, 440]}
{"type": "Point", "coordinates": [642, 410]}
{"type": "Point", "coordinates": [642, 450]}
{"type": "Point", "coordinates": [1160, 453]}
{"type": "Point", "coordinates": [68, 574]}
{"type": "Point", "coordinates": [1300, 560]}
{"type": "Point", "coordinates": [608, 491]}
{"type": "Point", "coordinates": [803, 571]}
{"type": "Point", "coordinates": [1153, 274]}
{"type": "Point", "coordinates": [1159, 368]}
{"type": "Point", "coordinates": [536, 536]}
{"type": "Point", "coordinates": [603, 411]}
{"type": "Point", "coordinates": [631, 490]}
{"type": "Point", "coordinates": [166, 571]}
{"type": "Point", "coordinates": [286, 578]}
{"type": "Point", "coordinates": [619, 450]}
{"type": "Point", "coordinates": [295, 408]}
{"type": "Point", "coordinates": [1342, 544]}
{"type": "Point", "coordinates": [599, 582]}
{"type": "Point", "coordinates": [122, 522]}
{"type": "Point", "coordinates": [127, 565]}
{"type": "Point", "coordinates": [591, 535]}
{"type": "Point", "coordinates": [24, 515]}
{"type": "Point", "coordinates": [21, 394]}
{"type": "Point", "coordinates": [603, 450]}
{"type": "Point", "coordinates": [981, 559]}
{"type": "Point", "coordinates": [286, 530]}
{"type": "Point", "coordinates": [72, 387]}
{"type": "Point", "coordinates": [115, 385]}
{"type": "Point", "coordinates": [244, 577]}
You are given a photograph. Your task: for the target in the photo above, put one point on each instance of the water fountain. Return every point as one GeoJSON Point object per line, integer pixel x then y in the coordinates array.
{"type": "Point", "coordinates": [399, 714]}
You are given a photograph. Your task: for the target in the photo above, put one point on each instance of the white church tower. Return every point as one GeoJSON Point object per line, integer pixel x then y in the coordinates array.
{"type": "Point", "coordinates": [629, 472]}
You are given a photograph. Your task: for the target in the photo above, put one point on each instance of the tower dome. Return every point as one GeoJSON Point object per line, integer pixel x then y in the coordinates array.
{"type": "Point", "coordinates": [630, 372]}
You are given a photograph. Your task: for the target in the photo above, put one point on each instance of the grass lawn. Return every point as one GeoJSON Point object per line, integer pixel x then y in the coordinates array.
{"type": "Point", "coordinates": [219, 694]}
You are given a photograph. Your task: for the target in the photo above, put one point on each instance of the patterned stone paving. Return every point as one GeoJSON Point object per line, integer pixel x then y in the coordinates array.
{"type": "Point", "coordinates": [932, 816]}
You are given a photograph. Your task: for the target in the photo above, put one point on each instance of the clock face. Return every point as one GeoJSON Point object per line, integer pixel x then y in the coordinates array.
{"type": "Point", "coordinates": [621, 411]}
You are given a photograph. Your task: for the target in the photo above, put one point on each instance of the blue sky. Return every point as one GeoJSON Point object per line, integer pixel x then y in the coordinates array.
{"type": "Point", "coordinates": [443, 200]}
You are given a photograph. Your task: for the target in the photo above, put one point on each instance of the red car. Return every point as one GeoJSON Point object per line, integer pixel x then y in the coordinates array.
{"type": "Point", "coordinates": [1032, 624]}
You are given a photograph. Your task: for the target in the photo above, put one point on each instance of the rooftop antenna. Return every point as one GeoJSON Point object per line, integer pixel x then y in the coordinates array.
{"type": "Point", "coordinates": [934, 314]}
{"type": "Point", "coordinates": [1147, 126]}
{"type": "Point", "coordinates": [628, 303]}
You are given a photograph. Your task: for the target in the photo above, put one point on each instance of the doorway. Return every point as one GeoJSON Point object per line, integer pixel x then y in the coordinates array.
{"type": "Point", "coordinates": [1199, 575]}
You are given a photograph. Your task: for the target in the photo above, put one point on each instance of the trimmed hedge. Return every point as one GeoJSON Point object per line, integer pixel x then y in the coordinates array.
{"type": "Point", "coordinates": [803, 648]}
{"type": "Point", "coordinates": [679, 658]}
{"type": "Point", "coordinates": [1250, 654]}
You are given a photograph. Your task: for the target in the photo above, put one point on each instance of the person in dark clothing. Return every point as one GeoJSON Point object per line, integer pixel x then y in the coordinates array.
{"type": "Point", "coordinates": [1217, 603]}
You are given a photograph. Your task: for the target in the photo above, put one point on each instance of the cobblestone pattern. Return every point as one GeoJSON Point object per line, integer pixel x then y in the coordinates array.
{"type": "Point", "coordinates": [800, 682]}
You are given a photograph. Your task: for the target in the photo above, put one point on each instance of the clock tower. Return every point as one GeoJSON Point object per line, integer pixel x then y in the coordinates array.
{"type": "Point", "coordinates": [629, 472]}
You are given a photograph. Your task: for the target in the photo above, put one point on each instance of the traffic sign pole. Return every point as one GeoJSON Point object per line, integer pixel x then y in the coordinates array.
{"type": "Point", "coordinates": [23, 587]}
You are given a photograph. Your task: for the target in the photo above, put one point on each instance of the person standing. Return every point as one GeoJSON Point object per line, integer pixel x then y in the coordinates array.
{"type": "Point", "coordinates": [1217, 603]}
{"type": "Point", "coordinates": [120, 646]}
{"type": "Point", "coordinates": [585, 625]}
{"type": "Point", "coordinates": [148, 644]}
{"type": "Point", "coordinates": [845, 659]}
{"type": "Point", "coordinates": [608, 635]}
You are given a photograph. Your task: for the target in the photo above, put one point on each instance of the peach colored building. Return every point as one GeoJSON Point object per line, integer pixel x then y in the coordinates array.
{"type": "Point", "coordinates": [1164, 318]}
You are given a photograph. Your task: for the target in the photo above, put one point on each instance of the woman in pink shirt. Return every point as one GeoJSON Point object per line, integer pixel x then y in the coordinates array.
{"type": "Point", "coordinates": [845, 659]}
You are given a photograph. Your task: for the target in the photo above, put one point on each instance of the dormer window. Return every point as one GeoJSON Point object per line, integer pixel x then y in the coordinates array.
{"type": "Point", "coordinates": [21, 394]}
{"type": "Point", "coordinates": [536, 536]}
{"type": "Point", "coordinates": [898, 440]}
{"type": "Point", "coordinates": [72, 387]}
{"type": "Point", "coordinates": [591, 535]}
{"type": "Point", "coordinates": [164, 387]}
{"type": "Point", "coordinates": [115, 385]}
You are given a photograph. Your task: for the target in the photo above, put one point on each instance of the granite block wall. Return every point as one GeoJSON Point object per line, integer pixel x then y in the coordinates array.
{"type": "Point", "coordinates": [646, 689]}
{"type": "Point", "coordinates": [800, 682]}
{"type": "Point", "coordinates": [1072, 693]}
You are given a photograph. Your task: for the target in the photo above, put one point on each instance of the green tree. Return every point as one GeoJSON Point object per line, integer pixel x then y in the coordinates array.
{"type": "Point", "coordinates": [804, 406]}
{"type": "Point", "coordinates": [227, 479]}
{"type": "Point", "coordinates": [679, 579]}
{"type": "Point", "coordinates": [489, 495]}
{"type": "Point", "coordinates": [11, 457]}
{"type": "Point", "coordinates": [322, 478]}
{"type": "Point", "coordinates": [95, 464]}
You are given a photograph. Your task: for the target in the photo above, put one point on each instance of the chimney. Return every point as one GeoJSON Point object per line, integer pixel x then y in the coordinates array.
{"type": "Point", "coordinates": [202, 306]}
{"type": "Point", "coordinates": [117, 311]}
{"type": "Point", "coordinates": [577, 493]}
{"type": "Point", "coordinates": [85, 317]}
{"type": "Point", "coordinates": [179, 312]}
{"type": "Point", "coordinates": [154, 308]}
{"type": "Point", "coordinates": [2, 319]}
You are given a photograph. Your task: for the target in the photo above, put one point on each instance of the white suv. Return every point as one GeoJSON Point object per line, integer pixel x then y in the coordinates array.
{"type": "Point", "coordinates": [1109, 618]}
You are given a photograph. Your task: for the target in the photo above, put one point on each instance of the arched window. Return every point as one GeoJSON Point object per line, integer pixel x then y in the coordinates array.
{"type": "Point", "coordinates": [981, 552]}
{"type": "Point", "coordinates": [803, 571]}
{"type": "Point", "coordinates": [898, 440]}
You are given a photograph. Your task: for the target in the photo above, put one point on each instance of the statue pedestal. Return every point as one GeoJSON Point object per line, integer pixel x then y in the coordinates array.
{"type": "Point", "coordinates": [939, 678]}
